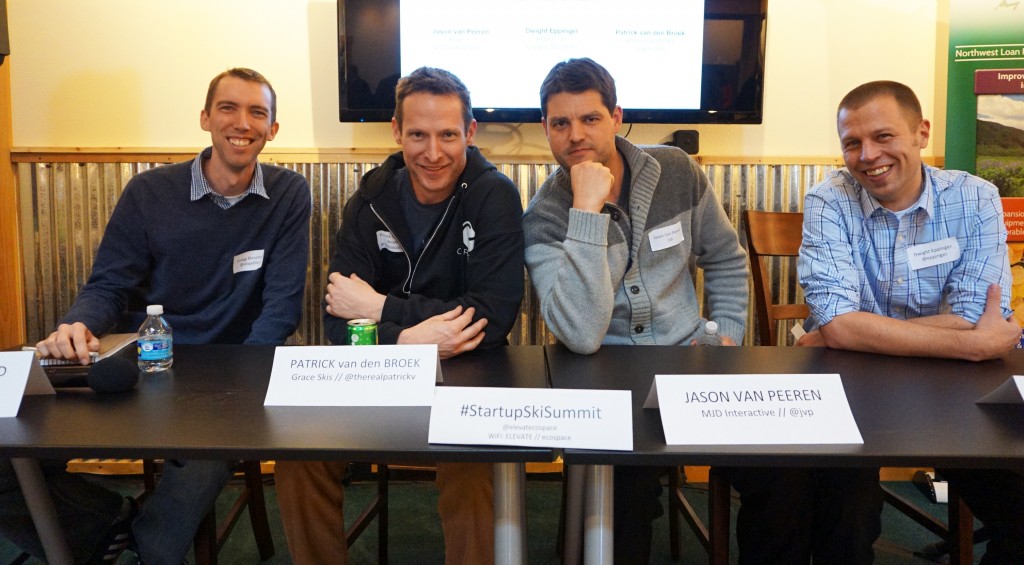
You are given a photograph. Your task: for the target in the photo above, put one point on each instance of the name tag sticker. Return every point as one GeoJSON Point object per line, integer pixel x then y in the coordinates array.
{"type": "Point", "coordinates": [248, 261]}
{"type": "Point", "coordinates": [669, 236]}
{"type": "Point", "coordinates": [387, 241]}
{"type": "Point", "coordinates": [754, 409]}
{"type": "Point", "coordinates": [532, 417]}
{"type": "Point", "coordinates": [20, 375]}
{"type": "Point", "coordinates": [363, 375]}
{"type": "Point", "coordinates": [934, 253]}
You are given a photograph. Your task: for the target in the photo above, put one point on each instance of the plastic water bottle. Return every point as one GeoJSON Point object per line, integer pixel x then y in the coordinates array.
{"type": "Point", "coordinates": [155, 344]}
{"type": "Point", "coordinates": [710, 335]}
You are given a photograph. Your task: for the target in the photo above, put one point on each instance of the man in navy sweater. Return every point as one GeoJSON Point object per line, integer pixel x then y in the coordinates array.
{"type": "Point", "coordinates": [430, 248]}
{"type": "Point", "coordinates": [222, 243]}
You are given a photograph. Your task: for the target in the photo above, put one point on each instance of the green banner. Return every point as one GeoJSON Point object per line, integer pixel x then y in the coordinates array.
{"type": "Point", "coordinates": [984, 34]}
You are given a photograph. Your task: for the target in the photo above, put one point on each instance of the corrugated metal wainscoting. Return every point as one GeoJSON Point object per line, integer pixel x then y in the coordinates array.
{"type": "Point", "coordinates": [65, 206]}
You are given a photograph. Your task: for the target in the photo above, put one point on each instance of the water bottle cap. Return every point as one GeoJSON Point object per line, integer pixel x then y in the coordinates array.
{"type": "Point", "coordinates": [155, 310]}
{"type": "Point", "coordinates": [711, 327]}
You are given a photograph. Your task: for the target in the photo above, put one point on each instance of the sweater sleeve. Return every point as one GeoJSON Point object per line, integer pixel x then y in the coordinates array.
{"type": "Point", "coordinates": [494, 278]}
{"type": "Point", "coordinates": [285, 269]}
{"type": "Point", "coordinates": [567, 257]}
{"type": "Point", "coordinates": [724, 262]}
{"type": "Point", "coordinates": [121, 264]}
{"type": "Point", "coordinates": [350, 256]}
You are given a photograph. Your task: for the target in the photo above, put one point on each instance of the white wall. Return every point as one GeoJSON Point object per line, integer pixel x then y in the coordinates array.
{"type": "Point", "coordinates": [133, 73]}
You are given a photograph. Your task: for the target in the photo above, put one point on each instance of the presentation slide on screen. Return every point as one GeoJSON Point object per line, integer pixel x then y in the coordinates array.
{"type": "Point", "coordinates": [653, 48]}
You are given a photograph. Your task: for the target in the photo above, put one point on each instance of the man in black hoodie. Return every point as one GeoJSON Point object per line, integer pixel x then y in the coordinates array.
{"type": "Point", "coordinates": [430, 248]}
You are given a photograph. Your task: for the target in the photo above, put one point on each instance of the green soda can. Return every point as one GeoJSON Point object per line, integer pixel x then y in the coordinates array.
{"type": "Point", "coordinates": [362, 332]}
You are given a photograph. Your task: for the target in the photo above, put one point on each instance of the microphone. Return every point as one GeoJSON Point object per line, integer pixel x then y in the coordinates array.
{"type": "Point", "coordinates": [112, 375]}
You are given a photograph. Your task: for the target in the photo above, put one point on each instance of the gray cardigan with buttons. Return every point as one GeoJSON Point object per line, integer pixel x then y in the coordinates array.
{"type": "Point", "coordinates": [602, 281]}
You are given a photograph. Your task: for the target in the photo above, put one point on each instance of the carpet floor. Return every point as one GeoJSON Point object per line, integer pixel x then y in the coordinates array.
{"type": "Point", "coordinates": [416, 537]}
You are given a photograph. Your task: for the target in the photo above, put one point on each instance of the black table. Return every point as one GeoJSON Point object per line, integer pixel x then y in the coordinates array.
{"type": "Point", "coordinates": [210, 405]}
{"type": "Point", "coordinates": [910, 411]}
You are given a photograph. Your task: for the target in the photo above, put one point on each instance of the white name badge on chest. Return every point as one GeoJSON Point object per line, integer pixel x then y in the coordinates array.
{"type": "Point", "coordinates": [668, 236]}
{"type": "Point", "coordinates": [387, 241]}
{"type": "Point", "coordinates": [248, 261]}
{"type": "Point", "coordinates": [933, 253]}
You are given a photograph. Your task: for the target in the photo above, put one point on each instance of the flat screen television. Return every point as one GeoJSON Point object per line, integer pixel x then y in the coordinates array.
{"type": "Point", "coordinates": [674, 61]}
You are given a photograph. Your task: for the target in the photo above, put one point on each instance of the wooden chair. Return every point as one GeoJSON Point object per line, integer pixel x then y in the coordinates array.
{"type": "Point", "coordinates": [714, 536]}
{"type": "Point", "coordinates": [377, 507]}
{"type": "Point", "coordinates": [779, 234]}
{"type": "Point", "coordinates": [210, 536]}
{"type": "Point", "coordinates": [772, 234]}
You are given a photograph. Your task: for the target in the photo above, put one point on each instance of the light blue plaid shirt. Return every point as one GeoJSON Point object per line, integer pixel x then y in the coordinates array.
{"type": "Point", "coordinates": [200, 187]}
{"type": "Point", "coordinates": [854, 253]}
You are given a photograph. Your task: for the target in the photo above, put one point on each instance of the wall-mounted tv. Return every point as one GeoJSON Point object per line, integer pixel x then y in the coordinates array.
{"type": "Point", "coordinates": [674, 61]}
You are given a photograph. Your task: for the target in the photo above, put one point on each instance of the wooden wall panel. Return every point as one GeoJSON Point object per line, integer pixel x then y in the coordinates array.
{"type": "Point", "coordinates": [12, 313]}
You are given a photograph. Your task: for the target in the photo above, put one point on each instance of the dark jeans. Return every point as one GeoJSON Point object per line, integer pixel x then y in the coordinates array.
{"type": "Point", "coordinates": [788, 515]}
{"type": "Point", "coordinates": [85, 510]}
{"type": "Point", "coordinates": [996, 498]}
{"type": "Point", "coordinates": [637, 505]}
{"type": "Point", "coordinates": [169, 518]}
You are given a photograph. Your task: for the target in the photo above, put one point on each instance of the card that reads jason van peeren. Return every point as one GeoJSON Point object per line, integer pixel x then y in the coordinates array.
{"type": "Point", "coordinates": [532, 417]}
{"type": "Point", "coordinates": [368, 375]}
{"type": "Point", "coordinates": [753, 409]}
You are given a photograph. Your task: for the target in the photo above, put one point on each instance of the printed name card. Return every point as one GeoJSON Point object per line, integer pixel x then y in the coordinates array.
{"type": "Point", "coordinates": [753, 409]}
{"type": "Point", "coordinates": [1010, 392]}
{"type": "Point", "coordinates": [532, 417]}
{"type": "Point", "coordinates": [365, 375]}
{"type": "Point", "coordinates": [20, 375]}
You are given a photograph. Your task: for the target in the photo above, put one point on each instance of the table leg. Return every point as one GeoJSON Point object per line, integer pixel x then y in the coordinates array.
{"type": "Point", "coordinates": [598, 520]}
{"type": "Point", "coordinates": [572, 542]}
{"type": "Point", "coordinates": [509, 513]}
{"type": "Point", "coordinates": [40, 506]}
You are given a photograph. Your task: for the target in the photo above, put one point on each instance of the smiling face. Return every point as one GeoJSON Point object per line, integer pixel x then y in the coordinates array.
{"type": "Point", "coordinates": [882, 145]}
{"type": "Point", "coordinates": [434, 137]}
{"type": "Point", "coordinates": [240, 124]}
{"type": "Point", "coordinates": [580, 128]}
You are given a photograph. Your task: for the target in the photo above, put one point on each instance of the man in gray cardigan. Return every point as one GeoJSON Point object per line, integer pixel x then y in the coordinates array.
{"type": "Point", "coordinates": [610, 238]}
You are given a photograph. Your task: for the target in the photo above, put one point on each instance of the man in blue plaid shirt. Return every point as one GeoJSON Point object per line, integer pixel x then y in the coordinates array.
{"type": "Point", "coordinates": [901, 258]}
{"type": "Point", "coordinates": [897, 258]}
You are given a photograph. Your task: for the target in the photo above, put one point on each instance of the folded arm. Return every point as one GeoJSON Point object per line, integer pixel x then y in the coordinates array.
{"type": "Point", "coordinates": [569, 269]}
{"type": "Point", "coordinates": [936, 336]}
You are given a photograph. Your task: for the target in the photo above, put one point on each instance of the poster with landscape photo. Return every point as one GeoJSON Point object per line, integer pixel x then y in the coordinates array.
{"type": "Point", "coordinates": [1000, 160]}
{"type": "Point", "coordinates": [1000, 138]}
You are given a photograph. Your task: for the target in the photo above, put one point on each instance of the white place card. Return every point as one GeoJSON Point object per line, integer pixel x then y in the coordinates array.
{"type": "Point", "coordinates": [20, 375]}
{"type": "Point", "coordinates": [532, 417]}
{"type": "Point", "coordinates": [364, 375]}
{"type": "Point", "coordinates": [1010, 392]}
{"type": "Point", "coordinates": [753, 409]}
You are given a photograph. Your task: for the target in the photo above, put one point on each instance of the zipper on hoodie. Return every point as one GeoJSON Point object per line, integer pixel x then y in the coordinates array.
{"type": "Point", "coordinates": [407, 287]}
{"type": "Point", "coordinates": [408, 283]}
